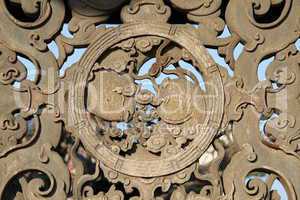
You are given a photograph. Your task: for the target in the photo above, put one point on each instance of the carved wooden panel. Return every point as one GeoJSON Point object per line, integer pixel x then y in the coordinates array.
{"type": "Point", "coordinates": [147, 113]}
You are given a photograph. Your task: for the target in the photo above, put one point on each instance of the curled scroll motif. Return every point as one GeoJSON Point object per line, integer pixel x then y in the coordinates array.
{"type": "Point", "coordinates": [11, 70]}
{"type": "Point", "coordinates": [15, 134]}
{"type": "Point", "coordinates": [259, 188]}
{"type": "Point", "coordinates": [145, 10]}
{"type": "Point", "coordinates": [205, 12]}
{"type": "Point", "coordinates": [36, 183]}
{"type": "Point", "coordinates": [283, 129]}
{"type": "Point", "coordinates": [83, 25]}
{"type": "Point", "coordinates": [257, 176]}
{"type": "Point", "coordinates": [38, 171]}
{"type": "Point", "coordinates": [263, 8]}
{"type": "Point", "coordinates": [244, 19]}
{"type": "Point", "coordinates": [146, 113]}
{"type": "Point", "coordinates": [14, 128]}
{"type": "Point", "coordinates": [40, 22]}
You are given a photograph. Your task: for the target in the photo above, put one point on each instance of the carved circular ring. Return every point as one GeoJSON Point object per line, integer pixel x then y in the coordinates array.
{"type": "Point", "coordinates": [141, 167]}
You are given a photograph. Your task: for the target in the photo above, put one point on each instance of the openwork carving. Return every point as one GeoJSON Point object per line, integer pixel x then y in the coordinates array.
{"type": "Point", "coordinates": [146, 112]}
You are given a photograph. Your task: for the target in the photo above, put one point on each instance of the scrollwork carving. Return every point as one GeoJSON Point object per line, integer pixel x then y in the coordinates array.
{"type": "Point", "coordinates": [146, 113]}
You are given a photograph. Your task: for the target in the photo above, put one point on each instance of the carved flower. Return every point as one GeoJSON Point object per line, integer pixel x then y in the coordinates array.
{"type": "Point", "coordinates": [144, 97]}
{"type": "Point", "coordinates": [170, 150]}
{"type": "Point", "coordinates": [179, 194]}
{"type": "Point", "coordinates": [156, 143]}
{"type": "Point", "coordinates": [176, 101]}
{"type": "Point", "coordinates": [114, 101]}
{"type": "Point", "coordinates": [127, 45]}
{"type": "Point", "coordinates": [144, 45]}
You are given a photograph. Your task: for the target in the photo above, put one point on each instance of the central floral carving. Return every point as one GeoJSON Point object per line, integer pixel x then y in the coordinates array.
{"type": "Point", "coordinates": [151, 105]}
{"type": "Point", "coordinates": [160, 122]}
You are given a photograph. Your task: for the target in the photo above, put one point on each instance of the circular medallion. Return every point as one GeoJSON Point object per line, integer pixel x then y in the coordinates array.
{"type": "Point", "coordinates": [147, 100]}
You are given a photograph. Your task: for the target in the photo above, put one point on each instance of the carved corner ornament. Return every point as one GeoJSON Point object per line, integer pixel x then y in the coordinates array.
{"type": "Point", "coordinates": [146, 113]}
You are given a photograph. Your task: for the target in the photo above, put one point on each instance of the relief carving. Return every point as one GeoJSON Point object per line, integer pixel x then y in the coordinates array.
{"type": "Point", "coordinates": [146, 113]}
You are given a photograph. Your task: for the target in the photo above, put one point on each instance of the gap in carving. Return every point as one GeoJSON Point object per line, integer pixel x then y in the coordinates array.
{"type": "Point", "coordinates": [65, 31]}
{"type": "Point", "coordinates": [275, 188]}
{"type": "Point", "coordinates": [146, 83]}
{"type": "Point", "coordinates": [188, 66]}
{"type": "Point", "coordinates": [30, 67]}
{"type": "Point", "coordinates": [238, 50]}
{"type": "Point", "coordinates": [52, 46]}
{"type": "Point", "coordinates": [262, 68]}
{"type": "Point", "coordinates": [164, 195]}
{"type": "Point", "coordinates": [108, 25]}
{"type": "Point", "coordinates": [72, 59]}
{"type": "Point", "coordinates": [17, 186]}
{"type": "Point", "coordinates": [279, 187]}
{"type": "Point", "coordinates": [275, 85]}
{"type": "Point", "coordinates": [146, 66]}
{"type": "Point", "coordinates": [208, 156]}
{"type": "Point", "coordinates": [17, 85]}
{"type": "Point", "coordinates": [226, 33]}
{"type": "Point", "coordinates": [122, 126]}
{"type": "Point", "coordinates": [263, 122]}
{"type": "Point", "coordinates": [163, 76]}
{"type": "Point", "coordinates": [298, 44]}
{"type": "Point", "coordinates": [221, 61]}
{"type": "Point", "coordinates": [31, 127]}
{"type": "Point", "coordinates": [272, 14]}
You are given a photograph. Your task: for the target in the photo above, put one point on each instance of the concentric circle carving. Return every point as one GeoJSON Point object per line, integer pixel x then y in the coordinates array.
{"type": "Point", "coordinates": [166, 129]}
